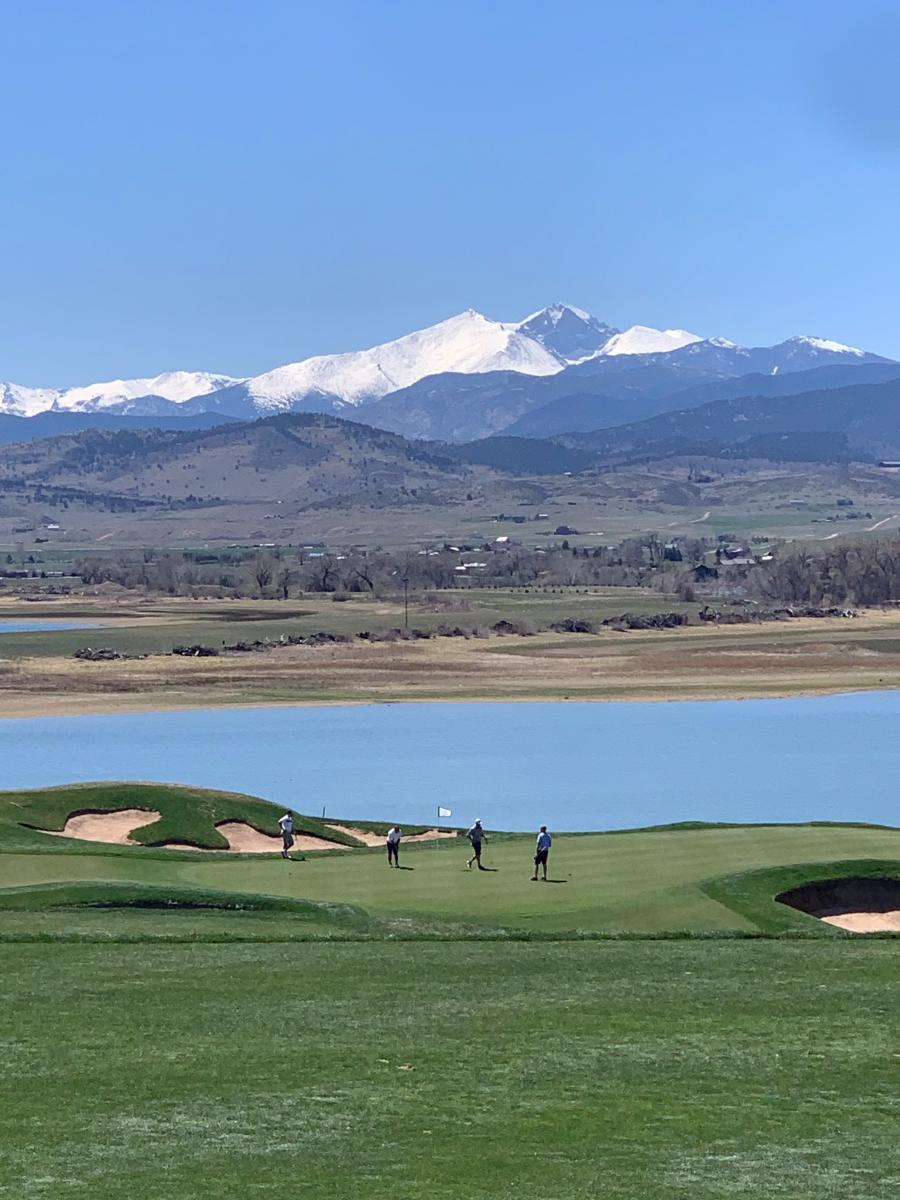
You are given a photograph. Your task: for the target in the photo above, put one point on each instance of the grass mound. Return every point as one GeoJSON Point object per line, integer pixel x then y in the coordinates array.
{"type": "Point", "coordinates": [57, 896]}
{"type": "Point", "coordinates": [760, 896]}
{"type": "Point", "coordinates": [187, 815]}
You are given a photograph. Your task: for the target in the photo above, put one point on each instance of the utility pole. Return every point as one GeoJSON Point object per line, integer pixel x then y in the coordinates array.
{"type": "Point", "coordinates": [405, 601]}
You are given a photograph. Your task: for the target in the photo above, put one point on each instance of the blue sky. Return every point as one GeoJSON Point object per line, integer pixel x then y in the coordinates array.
{"type": "Point", "coordinates": [229, 186]}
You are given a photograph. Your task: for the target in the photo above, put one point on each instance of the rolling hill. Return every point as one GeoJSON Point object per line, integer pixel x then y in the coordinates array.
{"type": "Point", "coordinates": [866, 416]}
{"type": "Point", "coordinates": [583, 412]}
{"type": "Point", "coordinates": [613, 389]}
{"type": "Point", "coordinates": [302, 459]}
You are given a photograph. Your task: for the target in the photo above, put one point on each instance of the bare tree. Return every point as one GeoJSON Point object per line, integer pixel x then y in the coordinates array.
{"type": "Point", "coordinates": [263, 570]}
{"type": "Point", "coordinates": [283, 581]}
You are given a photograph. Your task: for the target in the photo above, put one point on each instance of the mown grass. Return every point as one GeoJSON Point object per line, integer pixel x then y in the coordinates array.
{"type": "Point", "coordinates": [648, 882]}
{"type": "Point", "coordinates": [678, 1071]}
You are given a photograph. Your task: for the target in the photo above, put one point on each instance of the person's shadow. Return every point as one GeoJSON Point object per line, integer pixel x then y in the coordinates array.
{"type": "Point", "coordinates": [399, 868]}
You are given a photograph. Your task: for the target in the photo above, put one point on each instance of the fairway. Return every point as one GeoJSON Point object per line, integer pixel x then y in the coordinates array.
{"type": "Point", "coordinates": [671, 1071]}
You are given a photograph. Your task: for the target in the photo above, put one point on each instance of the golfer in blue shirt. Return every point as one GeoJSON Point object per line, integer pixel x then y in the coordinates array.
{"type": "Point", "coordinates": [541, 853]}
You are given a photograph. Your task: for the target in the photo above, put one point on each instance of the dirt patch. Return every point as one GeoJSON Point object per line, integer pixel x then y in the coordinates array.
{"type": "Point", "coordinates": [858, 904]}
{"type": "Point", "coordinates": [244, 839]}
{"type": "Point", "coordinates": [115, 828]}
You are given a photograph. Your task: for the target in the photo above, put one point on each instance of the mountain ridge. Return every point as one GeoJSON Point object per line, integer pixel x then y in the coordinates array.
{"type": "Point", "coordinates": [463, 378]}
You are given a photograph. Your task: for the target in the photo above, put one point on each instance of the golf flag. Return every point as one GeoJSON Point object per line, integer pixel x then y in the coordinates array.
{"type": "Point", "coordinates": [444, 812]}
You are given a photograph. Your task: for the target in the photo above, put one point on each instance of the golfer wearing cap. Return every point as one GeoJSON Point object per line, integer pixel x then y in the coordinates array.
{"type": "Point", "coordinates": [476, 836]}
{"type": "Point", "coordinates": [541, 853]}
{"type": "Point", "coordinates": [393, 845]}
{"type": "Point", "coordinates": [287, 834]}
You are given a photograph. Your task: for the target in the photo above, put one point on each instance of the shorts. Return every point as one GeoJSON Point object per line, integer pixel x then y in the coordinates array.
{"type": "Point", "coordinates": [476, 848]}
{"type": "Point", "coordinates": [287, 840]}
{"type": "Point", "coordinates": [540, 859]}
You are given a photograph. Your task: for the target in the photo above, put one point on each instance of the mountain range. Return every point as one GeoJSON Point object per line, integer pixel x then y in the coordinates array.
{"type": "Point", "coordinates": [558, 370]}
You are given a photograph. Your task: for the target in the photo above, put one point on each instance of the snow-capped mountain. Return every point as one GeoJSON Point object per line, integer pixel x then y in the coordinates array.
{"type": "Point", "coordinates": [177, 386]}
{"type": "Point", "coordinates": [569, 333]}
{"type": "Point", "coordinates": [561, 341]}
{"type": "Point", "coordinates": [117, 395]}
{"type": "Point", "coordinates": [641, 339]}
{"type": "Point", "coordinates": [25, 401]}
{"type": "Point", "coordinates": [467, 344]}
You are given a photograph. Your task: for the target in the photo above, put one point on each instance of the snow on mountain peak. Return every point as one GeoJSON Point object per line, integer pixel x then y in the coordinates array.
{"type": "Point", "coordinates": [568, 333]}
{"type": "Point", "coordinates": [177, 386]}
{"type": "Point", "coordinates": [544, 343]}
{"type": "Point", "coordinates": [554, 313]}
{"type": "Point", "coordinates": [642, 339]}
{"type": "Point", "coordinates": [469, 343]}
{"type": "Point", "coordinates": [25, 401]}
{"type": "Point", "coordinates": [829, 347]}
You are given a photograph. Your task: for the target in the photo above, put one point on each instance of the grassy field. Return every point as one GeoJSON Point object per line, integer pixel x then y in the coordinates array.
{"type": "Point", "coordinates": [184, 1026]}
{"type": "Point", "coordinates": [803, 656]}
{"type": "Point", "coordinates": [139, 626]}
{"type": "Point", "coordinates": [677, 1071]}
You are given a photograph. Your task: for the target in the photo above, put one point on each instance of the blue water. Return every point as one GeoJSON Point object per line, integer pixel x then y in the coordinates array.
{"type": "Point", "coordinates": [42, 626]}
{"type": "Point", "coordinates": [571, 765]}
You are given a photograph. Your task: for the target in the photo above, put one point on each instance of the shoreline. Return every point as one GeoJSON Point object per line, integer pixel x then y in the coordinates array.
{"type": "Point", "coordinates": [99, 708]}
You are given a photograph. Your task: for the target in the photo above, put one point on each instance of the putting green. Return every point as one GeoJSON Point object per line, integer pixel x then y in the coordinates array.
{"type": "Point", "coordinates": [642, 882]}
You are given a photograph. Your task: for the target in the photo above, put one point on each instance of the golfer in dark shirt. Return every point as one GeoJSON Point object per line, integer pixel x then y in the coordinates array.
{"type": "Point", "coordinates": [476, 836]}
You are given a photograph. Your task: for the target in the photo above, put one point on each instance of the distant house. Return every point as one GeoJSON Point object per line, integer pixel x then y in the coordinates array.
{"type": "Point", "coordinates": [671, 552]}
{"type": "Point", "coordinates": [703, 572]}
{"type": "Point", "coordinates": [733, 553]}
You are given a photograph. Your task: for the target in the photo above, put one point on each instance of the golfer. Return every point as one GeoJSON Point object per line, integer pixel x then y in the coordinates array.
{"type": "Point", "coordinates": [542, 852]}
{"type": "Point", "coordinates": [287, 834]}
{"type": "Point", "coordinates": [393, 845]}
{"type": "Point", "coordinates": [476, 836]}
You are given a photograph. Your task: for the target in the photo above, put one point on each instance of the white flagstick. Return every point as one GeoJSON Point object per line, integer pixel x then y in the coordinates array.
{"type": "Point", "coordinates": [442, 812]}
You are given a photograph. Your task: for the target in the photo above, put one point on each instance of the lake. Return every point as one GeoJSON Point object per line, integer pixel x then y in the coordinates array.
{"type": "Point", "coordinates": [43, 626]}
{"type": "Point", "coordinates": [572, 765]}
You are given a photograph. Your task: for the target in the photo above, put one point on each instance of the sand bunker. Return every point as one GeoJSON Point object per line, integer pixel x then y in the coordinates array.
{"type": "Point", "coordinates": [245, 839]}
{"type": "Point", "coordinates": [857, 904]}
{"type": "Point", "coordinates": [114, 828]}
{"type": "Point", "coordinates": [185, 846]}
{"type": "Point", "coordinates": [863, 922]}
{"type": "Point", "coordinates": [429, 835]}
{"type": "Point", "coordinates": [368, 838]}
